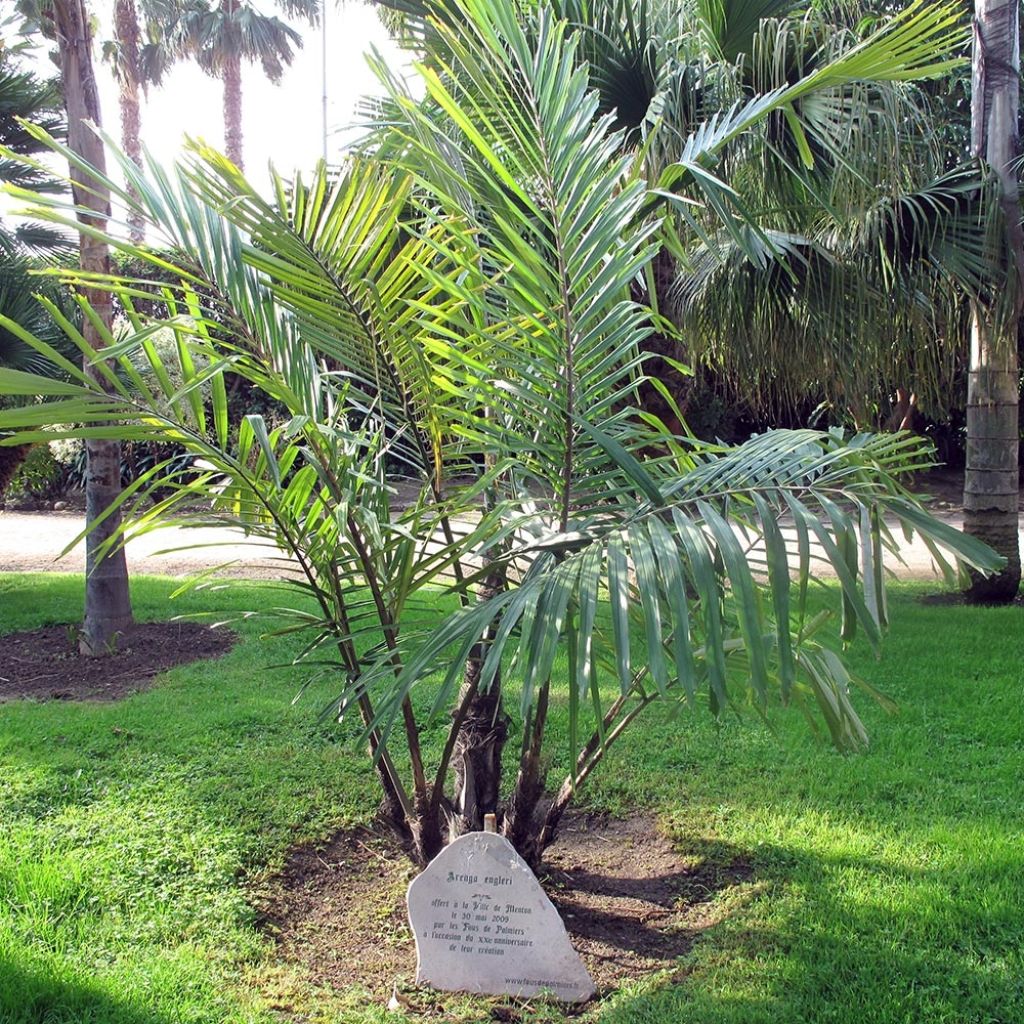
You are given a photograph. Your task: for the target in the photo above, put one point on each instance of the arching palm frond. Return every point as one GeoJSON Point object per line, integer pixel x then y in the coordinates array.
{"type": "Point", "coordinates": [18, 302]}
{"type": "Point", "coordinates": [946, 227]}
{"type": "Point", "coordinates": [359, 303]}
{"type": "Point", "coordinates": [728, 27]}
{"type": "Point", "coordinates": [850, 312]}
{"type": "Point", "coordinates": [718, 526]}
{"type": "Point", "coordinates": [903, 49]}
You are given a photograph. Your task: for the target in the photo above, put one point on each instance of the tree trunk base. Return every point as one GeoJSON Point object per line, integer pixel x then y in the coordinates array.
{"type": "Point", "coordinates": [476, 761]}
{"type": "Point", "coordinates": [521, 826]}
{"type": "Point", "coordinates": [1002, 535]}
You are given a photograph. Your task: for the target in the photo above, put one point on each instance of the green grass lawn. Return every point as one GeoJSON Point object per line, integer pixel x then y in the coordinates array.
{"type": "Point", "coordinates": [886, 887]}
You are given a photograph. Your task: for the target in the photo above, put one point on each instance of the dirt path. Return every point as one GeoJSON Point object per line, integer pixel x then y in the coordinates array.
{"type": "Point", "coordinates": [33, 541]}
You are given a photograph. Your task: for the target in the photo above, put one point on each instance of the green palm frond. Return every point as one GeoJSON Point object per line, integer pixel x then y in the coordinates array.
{"type": "Point", "coordinates": [728, 27]}
{"type": "Point", "coordinates": [549, 196]}
{"type": "Point", "coordinates": [852, 310]}
{"type": "Point", "coordinates": [903, 49]}
{"type": "Point", "coordinates": [360, 303]}
{"type": "Point", "coordinates": [728, 532]}
{"type": "Point", "coordinates": [624, 43]}
{"type": "Point", "coordinates": [18, 289]}
{"type": "Point", "coordinates": [24, 96]}
{"type": "Point", "coordinates": [946, 227]}
{"type": "Point", "coordinates": [507, 150]}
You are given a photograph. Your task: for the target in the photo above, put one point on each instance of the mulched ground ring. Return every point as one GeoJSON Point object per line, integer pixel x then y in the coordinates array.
{"type": "Point", "coordinates": [45, 664]}
{"type": "Point", "coordinates": [632, 902]}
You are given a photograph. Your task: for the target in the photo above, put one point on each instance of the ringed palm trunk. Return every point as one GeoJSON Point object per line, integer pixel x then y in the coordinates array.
{"type": "Point", "coordinates": [126, 28]}
{"type": "Point", "coordinates": [992, 479]}
{"type": "Point", "coordinates": [233, 108]}
{"type": "Point", "coordinates": [108, 608]}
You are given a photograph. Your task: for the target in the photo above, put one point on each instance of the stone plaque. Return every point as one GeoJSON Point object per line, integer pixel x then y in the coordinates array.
{"type": "Point", "coordinates": [484, 924]}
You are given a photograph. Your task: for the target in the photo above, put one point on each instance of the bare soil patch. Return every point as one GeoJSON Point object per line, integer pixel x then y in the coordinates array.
{"type": "Point", "coordinates": [44, 664]}
{"type": "Point", "coordinates": [631, 902]}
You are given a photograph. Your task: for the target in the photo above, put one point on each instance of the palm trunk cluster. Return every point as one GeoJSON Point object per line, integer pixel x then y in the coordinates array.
{"type": "Point", "coordinates": [479, 731]}
{"type": "Point", "coordinates": [424, 817]}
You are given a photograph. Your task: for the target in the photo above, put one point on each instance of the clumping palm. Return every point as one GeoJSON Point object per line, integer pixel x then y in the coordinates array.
{"type": "Point", "coordinates": [463, 305]}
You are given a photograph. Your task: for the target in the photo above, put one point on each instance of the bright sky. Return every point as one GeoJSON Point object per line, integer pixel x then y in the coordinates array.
{"type": "Point", "coordinates": [281, 123]}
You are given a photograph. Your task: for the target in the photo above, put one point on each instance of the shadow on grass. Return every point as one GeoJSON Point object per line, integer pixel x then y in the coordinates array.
{"type": "Point", "coordinates": [34, 996]}
{"type": "Point", "coordinates": [840, 939]}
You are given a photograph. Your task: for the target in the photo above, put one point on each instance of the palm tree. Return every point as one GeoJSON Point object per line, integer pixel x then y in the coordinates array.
{"type": "Point", "coordinates": [108, 608]}
{"type": "Point", "coordinates": [140, 54]}
{"type": "Point", "coordinates": [221, 34]}
{"type": "Point", "coordinates": [459, 305]}
{"type": "Point", "coordinates": [992, 480]}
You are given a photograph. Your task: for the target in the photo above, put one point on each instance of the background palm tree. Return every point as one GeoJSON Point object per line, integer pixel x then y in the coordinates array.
{"type": "Point", "coordinates": [851, 280]}
{"type": "Point", "coordinates": [108, 609]}
{"type": "Point", "coordinates": [221, 34]}
{"type": "Point", "coordinates": [140, 53]}
{"type": "Point", "coordinates": [992, 480]}
{"type": "Point", "coordinates": [123, 53]}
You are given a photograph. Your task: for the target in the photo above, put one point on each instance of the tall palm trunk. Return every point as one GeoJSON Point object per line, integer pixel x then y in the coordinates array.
{"type": "Point", "coordinates": [233, 108]}
{"type": "Point", "coordinates": [107, 604]}
{"type": "Point", "coordinates": [126, 28]}
{"type": "Point", "coordinates": [232, 77]}
{"type": "Point", "coordinates": [992, 480]}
